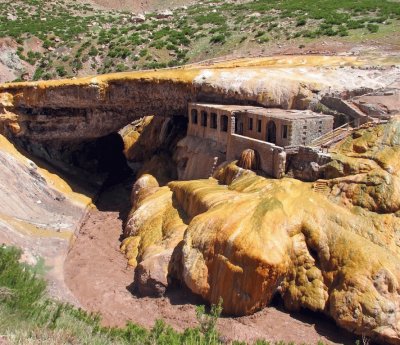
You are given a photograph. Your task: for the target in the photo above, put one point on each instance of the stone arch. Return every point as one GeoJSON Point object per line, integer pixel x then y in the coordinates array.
{"type": "Point", "coordinates": [249, 159]}
{"type": "Point", "coordinates": [271, 132]}
{"type": "Point", "coordinates": [194, 115]}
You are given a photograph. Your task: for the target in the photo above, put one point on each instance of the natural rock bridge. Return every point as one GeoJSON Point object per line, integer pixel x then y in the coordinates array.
{"type": "Point", "coordinates": [88, 108]}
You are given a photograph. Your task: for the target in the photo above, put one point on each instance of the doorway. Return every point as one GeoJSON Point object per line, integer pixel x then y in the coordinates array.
{"type": "Point", "coordinates": [271, 132]}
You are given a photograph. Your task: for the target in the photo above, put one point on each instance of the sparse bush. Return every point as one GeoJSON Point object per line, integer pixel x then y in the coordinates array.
{"type": "Point", "coordinates": [220, 38]}
{"type": "Point", "coordinates": [263, 39]}
{"type": "Point", "coordinates": [301, 22]}
{"type": "Point", "coordinates": [259, 34]}
{"type": "Point", "coordinates": [143, 52]}
{"type": "Point", "coordinates": [372, 27]}
{"type": "Point", "coordinates": [61, 71]}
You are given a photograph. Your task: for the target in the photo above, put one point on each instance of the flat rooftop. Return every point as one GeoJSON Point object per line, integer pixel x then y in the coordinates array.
{"type": "Point", "coordinates": [287, 114]}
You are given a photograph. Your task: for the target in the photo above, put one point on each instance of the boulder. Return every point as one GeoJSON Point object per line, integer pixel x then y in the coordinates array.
{"type": "Point", "coordinates": [165, 14]}
{"type": "Point", "coordinates": [247, 238]}
{"type": "Point", "coordinates": [137, 18]}
{"type": "Point", "coordinates": [151, 275]}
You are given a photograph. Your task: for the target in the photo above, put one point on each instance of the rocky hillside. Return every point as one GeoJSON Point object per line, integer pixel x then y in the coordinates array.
{"type": "Point", "coordinates": [42, 40]}
{"type": "Point", "coordinates": [40, 212]}
{"type": "Point", "coordinates": [70, 111]}
{"type": "Point", "coordinates": [237, 235]}
{"type": "Point", "coordinates": [138, 6]}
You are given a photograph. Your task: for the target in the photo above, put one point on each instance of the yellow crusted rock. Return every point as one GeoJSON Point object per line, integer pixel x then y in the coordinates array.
{"type": "Point", "coordinates": [248, 237]}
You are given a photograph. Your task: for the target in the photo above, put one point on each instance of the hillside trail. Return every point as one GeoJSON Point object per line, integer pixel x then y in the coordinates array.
{"type": "Point", "coordinates": [97, 274]}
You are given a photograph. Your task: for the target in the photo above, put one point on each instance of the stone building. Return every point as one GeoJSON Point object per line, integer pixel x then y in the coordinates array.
{"type": "Point", "coordinates": [235, 128]}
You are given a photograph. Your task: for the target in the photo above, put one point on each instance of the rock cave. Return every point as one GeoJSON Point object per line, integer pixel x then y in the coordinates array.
{"type": "Point", "coordinates": [307, 215]}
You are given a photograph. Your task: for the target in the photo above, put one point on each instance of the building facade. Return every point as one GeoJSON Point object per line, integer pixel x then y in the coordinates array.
{"type": "Point", "coordinates": [268, 131]}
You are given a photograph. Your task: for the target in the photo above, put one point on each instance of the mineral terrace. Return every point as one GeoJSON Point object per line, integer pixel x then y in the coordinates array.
{"type": "Point", "coordinates": [254, 179]}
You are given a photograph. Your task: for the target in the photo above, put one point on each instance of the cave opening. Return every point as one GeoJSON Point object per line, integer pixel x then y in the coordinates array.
{"type": "Point", "coordinates": [108, 152]}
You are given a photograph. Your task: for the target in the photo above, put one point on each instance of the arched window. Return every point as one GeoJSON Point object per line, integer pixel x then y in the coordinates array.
{"type": "Point", "coordinates": [250, 124]}
{"type": "Point", "coordinates": [224, 123]}
{"type": "Point", "coordinates": [213, 120]}
{"type": "Point", "coordinates": [194, 116]}
{"type": "Point", "coordinates": [204, 118]}
{"type": "Point", "coordinates": [271, 132]}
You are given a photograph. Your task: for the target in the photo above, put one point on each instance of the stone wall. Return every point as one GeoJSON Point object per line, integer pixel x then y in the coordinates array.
{"type": "Point", "coordinates": [259, 127]}
{"type": "Point", "coordinates": [306, 164]}
{"type": "Point", "coordinates": [272, 157]}
{"type": "Point", "coordinates": [304, 131]}
{"type": "Point", "coordinates": [206, 131]}
{"type": "Point", "coordinates": [344, 107]}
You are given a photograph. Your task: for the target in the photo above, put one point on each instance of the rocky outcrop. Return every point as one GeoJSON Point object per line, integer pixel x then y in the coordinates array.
{"type": "Point", "coordinates": [197, 158]}
{"type": "Point", "coordinates": [233, 234]}
{"type": "Point", "coordinates": [307, 163]}
{"type": "Point", "coordinates": [153, 230]}
{"type": "Point", "coordinates": [247, 238]}
{"type": "Point", "coordinates": [39, 212]}
{"type": "Point", "coordinates": [87, 108]}
{"type": "Point", "coordinates": [12, 67]}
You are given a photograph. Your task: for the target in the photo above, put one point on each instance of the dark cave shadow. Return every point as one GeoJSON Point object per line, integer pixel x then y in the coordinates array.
{"type": "Point", "coordinates": [181, 295]}
{"type": "Point", "coordinates": [177, 294]}
{"type": "Point", "coordinates": [77, 179]}
{"type": "Point", "coordinates": [324, 326]}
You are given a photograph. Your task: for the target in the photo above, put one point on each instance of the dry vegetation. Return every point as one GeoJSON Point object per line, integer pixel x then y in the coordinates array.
{"type": "Point", "coordinates": [65, 39]}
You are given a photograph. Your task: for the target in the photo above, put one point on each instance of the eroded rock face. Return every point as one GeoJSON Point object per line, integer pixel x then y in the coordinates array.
{"type": "Point", "coordinates": [249, 159]}
{"type": "Point", "coordinates": [247, 238]}
{"type": "Point", "coordinates": [365, 170]}
{"type": "Point", "coordinates": [88, 108]}
{"type": "Point", "coordinates": [197, 158]}
{"type": "Point", "coordinates": [39, 213]}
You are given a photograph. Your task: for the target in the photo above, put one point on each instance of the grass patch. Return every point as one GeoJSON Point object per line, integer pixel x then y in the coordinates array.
{"type": "Point", "coordinates": [28, 316]}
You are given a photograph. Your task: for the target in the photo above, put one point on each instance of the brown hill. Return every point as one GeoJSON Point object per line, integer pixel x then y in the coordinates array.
{"type": "Point", "coordinates": [139, 5]}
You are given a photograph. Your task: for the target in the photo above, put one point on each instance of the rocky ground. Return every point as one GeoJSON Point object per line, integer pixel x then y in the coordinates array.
{"type": "Point", "coordinates": [138, 6]}
{"type": "Point", "coordinates": [97, 274]}
{"type": "Point", "coordinates": [239, 235]}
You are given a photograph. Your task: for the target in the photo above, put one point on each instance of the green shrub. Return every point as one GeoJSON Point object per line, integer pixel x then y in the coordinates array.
{"type": "Point", "coordinates": [20, 281]}
{"type": "Point", "coordinates": [220, 38]}
{"type": "Point", "coordinates": [93, 51]}
{"type": "Point", "coordinates": [355, 24]}
{"type": "Point", "coordinates": [121, 67]}
{"type": "Point", "coordinates": [143, 52]}
{"type": "Point", "coordinates": [372, 27]}
{"type": "Point", "coordinates": [210, 18]}
{"type": "Point", "coordinates": [263, 39]}
{"type": "Point", "coordinates": [301, 22]}
{"type": "Point", "coordinates": [61, 71]}
{"type": "Point", "coordinates": [259, 34]}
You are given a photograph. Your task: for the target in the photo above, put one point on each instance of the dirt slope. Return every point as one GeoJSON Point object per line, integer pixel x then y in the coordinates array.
{"type": "Point", "coordinates": [139, 6]}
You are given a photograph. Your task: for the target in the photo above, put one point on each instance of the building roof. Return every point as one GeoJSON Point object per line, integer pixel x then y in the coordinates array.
{"type": "Point", "coordinates": [285, 114]}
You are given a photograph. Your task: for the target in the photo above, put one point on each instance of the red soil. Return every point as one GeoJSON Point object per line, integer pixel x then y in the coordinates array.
{"type": "Point", "coordinates": [98, 276]}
